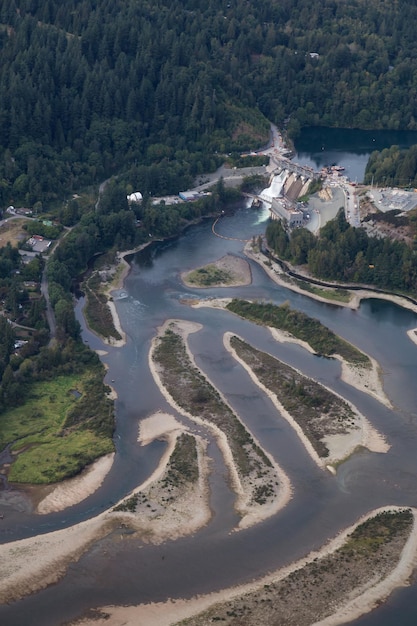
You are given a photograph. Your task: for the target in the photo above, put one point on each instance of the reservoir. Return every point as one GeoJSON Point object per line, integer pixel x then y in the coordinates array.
{"type": "Point", "coordinates": [131, 571]}
{"type": "Point", "coordinates": [350, 148]}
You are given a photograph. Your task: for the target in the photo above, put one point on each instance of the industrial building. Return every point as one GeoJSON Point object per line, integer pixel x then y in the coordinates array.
{"type": "Point", "coordinates": [281, 209]}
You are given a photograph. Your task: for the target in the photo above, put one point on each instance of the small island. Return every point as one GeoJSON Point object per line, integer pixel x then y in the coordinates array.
{"type": "Point", "coordinates": [329, 427]}
{"type": "Point", "coordinates": [229, 271]}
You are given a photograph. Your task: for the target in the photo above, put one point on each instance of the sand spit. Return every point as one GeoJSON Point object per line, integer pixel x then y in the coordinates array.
{"type": "Point", "coordinates": [76, 489]}
{"type": "Point", "coordinates": [245, 488]}
{"type": "Point", "coordinates": [237, 268]}
{"type": "Point", "coordinates": [169, 511]}
{"type": "Point", "coordinates": [157, 426]}
{"type": "Point", "coordinates": [412, 334]}
{"type": "Point", "coordinates": [115, 343]}
{"type": "Point", "coordinates": [32, 564]}
{"type": "Point", "coordinates": [366, 379]}
{"type": "Point", "coordinates": [364, 598]}
{"type": "Point", "coordinates": [340, 445]}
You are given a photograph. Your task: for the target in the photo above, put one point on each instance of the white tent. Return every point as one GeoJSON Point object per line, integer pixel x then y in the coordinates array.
{"type": "Point", "coordinates": [136, 196]}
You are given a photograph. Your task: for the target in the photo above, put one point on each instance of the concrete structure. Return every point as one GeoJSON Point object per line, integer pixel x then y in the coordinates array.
{"type": "Point", "coordinates": [190, 196]}
{"type": "Point", "coordinates": [281, 209]}
{"type": "Point", "coordinates": [390, 199]}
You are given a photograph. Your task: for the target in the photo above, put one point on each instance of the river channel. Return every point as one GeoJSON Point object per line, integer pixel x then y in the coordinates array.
{"type": "Point", "coordinates": [118, 571]}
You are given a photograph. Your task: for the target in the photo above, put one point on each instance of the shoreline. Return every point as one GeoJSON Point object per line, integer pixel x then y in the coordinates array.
{"type": "Point", "coordinates": [274, 271]}
{"type": "Point", "coordinates": [93, 531]}
{"type": "Point", "coordinates": [31, 564]}
{"type": "Point", "coordinates": [122, 269]}
{"type": "Point", "coordinates": [368, 596]}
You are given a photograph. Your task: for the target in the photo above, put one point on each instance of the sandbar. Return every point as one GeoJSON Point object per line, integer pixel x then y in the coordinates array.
{"type": "Point", "coordinates": [251, 512]}
{"type": "Point", "coordinates": [367, 596]}
{"type": "Point", "coordinates": [31, 564]}
{"type": "Point", "coordinates": [341, 445]}
{"type": "Point", "coordinates": [365, 379]}
{"type": "Point", "coordinates": [77, 489]}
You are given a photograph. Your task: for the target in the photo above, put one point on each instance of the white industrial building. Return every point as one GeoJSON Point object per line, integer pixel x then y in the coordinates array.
{"type": "Point", "coordinates": [282, 210]}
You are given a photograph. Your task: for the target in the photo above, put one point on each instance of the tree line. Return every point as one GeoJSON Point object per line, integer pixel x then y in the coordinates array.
{"type": "Point", "coordinates": [160, 90]}
{"type": "Point", "coordinates": [392, 167]}
{"type": "Point", "coordinates": [347, 254]}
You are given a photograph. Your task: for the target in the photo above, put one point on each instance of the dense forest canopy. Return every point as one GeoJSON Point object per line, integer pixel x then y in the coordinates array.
{"type": "Point", "coordinates": [392, 167]}
{"type": "Point", "coordinates": [159, 89]}
{"type": "Point", "coordinates": [346, 254]}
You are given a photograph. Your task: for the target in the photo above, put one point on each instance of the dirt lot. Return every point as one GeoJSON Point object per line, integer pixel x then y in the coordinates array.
{"type": "Point", "coordinates": [373, 220]}
{"type": "Point", "coordinates": [12, 231]}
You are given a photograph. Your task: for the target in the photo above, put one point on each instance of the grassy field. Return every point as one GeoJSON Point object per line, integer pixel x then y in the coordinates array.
{"type": "Point", "coordinates": [321, 339]}
{"type": "Point", "coordinates": [64, 425]}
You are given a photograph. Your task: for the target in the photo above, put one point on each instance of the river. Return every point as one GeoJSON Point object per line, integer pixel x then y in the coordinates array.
{"type": "Point", "coordinates": [131, 572]}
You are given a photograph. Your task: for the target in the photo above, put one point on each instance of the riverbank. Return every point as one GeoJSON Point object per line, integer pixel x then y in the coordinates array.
{"type": "Point", "coordinates": [355, 591]}
{"type": "Point", "coordinates": [276, 273]}
{"type": "Point", "coordinates": [32, 564]}
{"type": "Point", "coordinates": [120, 272]}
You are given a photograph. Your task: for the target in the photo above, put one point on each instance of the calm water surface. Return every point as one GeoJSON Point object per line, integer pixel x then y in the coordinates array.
{"type": "Point", "coordinates": [317, 146]}
{"type": "Point", "coordinates": [123, 570]}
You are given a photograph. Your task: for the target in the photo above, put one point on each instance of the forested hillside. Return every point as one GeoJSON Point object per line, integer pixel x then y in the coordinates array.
{"type": "Point", "coordinates": [392, 167]}
{"type": "Point", "coordinates": [92, 87]}
{"type": "Point", "coordinates": [346, 254]}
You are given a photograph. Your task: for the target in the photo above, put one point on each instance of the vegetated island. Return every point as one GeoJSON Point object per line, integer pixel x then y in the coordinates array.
{"type": "Point", "coordinates": [346, 578]}
{"type": "Point", "coordinates": [176, 502]}
{"type": "Point", "coordinates": [229, 271]}
{"type": "Point", "coordinates": [261, 486]}
{"type": "Point", "coordinates": [368, 562]}
{"type": "Point", "coordinates": [329, 427]}
{"type": "Point", "coordinates": [286, 324]}
{"type": "Point", "coordinates": [171, 503]}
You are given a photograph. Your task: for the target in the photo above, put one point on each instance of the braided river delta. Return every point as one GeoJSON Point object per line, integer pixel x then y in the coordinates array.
{"type": "Point", "coordinates": [115, 571]}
